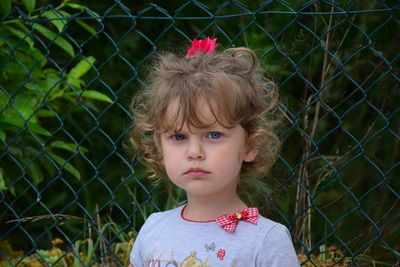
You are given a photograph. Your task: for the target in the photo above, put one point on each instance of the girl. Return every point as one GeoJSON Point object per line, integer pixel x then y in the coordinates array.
{"type": "Point", "coordinates": [204, 124]}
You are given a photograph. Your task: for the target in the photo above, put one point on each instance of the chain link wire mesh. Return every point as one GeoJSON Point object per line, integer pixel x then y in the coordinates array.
{"type": "Point", "coordinates": [70, 193]}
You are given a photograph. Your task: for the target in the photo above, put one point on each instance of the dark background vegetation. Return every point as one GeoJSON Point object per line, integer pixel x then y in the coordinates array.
{"type": "Point", "coordinates": [68, 71]}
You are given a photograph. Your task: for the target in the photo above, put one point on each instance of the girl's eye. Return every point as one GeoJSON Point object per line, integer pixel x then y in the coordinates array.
{"type": "Point", "coordinates": [214, 135]}
{"type": "Point", "coordinates": [178, 137]}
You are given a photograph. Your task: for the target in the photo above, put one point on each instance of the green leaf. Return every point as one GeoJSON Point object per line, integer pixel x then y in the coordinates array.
{"type": "Point", "coordinates": [50, 82]}
{"type": "Point", "coordinates": [3, 135]}
{"type": "Point", "coordinates": [29, 5]}
{"type": "Point", "coordinates": [45, 254]}
{"type": "Point", "coordinates": [11, 117]}
{"type": "Point", "coordinates": [323, 252]}
{"type": "Point", "coordinates": [2, 183]}
{"type": "Point", "coordinates": [86, 26]}
{"type": "Point", "coordinates": [5, 7]}
{"type": "Point", "coordinates": [30, 57]}
{"type": "Point", "coordinates": [78, 71]}
{"type": "Point", "coordinates": [3, 99]}
{"type": "Point", "coordinates": [92, 106]}
{"type": "Point", "coordinates": [81, 68]}
{"type": "Point", "coordinates": [57, 18]}
{"type": "Point", "coordinates": [94, 14]}
{"type": "Point", "coordinates": [44, 113]}
{"type": "Point", "coordinates": [36, 173]}
{"type": "Point", "coordinates": [20, 34]}
{"type": "Point", "coordinates": [76, 6]}
{"type": "Point", "coordinates": [96, 96]}
{"type": "Point", "coordinates": [67, 146]}
{"type": "Point", "coordinates": [25, 104]}
{"type": "Point", "coordinates": [13, 71]}
{"type": "Point", "coordinates": [61, 42]}
{"type": "Point", "coordinates": [67, 166]}
{"type": "Point", "coordinates": [75, 83]}
{"type": "Point", "coordinates": [89, 11]}
{"type": "Point", "coordinates": [48, 166]}
{"type": "Point", "coordinates": [36, 128]}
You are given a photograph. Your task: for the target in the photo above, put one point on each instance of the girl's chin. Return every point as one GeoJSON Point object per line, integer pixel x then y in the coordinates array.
{"type": "Point", "coordinates": [203, 192]}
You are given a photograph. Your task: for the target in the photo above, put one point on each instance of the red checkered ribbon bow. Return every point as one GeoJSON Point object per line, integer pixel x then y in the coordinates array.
{"type": "Point", "coordinates": [229, 221]}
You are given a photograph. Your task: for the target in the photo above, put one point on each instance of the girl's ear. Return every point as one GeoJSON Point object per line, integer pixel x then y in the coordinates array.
{"type": "Point", "coordinates": [253, 146]}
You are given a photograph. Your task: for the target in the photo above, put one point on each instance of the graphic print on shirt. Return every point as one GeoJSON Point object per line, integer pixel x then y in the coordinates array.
{"type": "Point", "coordinates": [191, 260]}
{"type": "Point", "coordinates": [210, 247]}
{"type": "Point", "coordinates": [221, 254]}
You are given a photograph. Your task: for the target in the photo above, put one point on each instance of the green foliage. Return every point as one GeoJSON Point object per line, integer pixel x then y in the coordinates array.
{"type": "Point", "coordinates": [5, 7]}
{"type": "Point", "coordinates": [33, 98]}
{"type": "Point", "coordinates": [82, 254]}
{"type": "Point", "coordinates": [29, 5]}
{"type": "Point", "coordinates": [2, 184]}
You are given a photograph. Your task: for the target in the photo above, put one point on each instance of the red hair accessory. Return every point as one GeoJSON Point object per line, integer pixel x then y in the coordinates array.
{"type": "Point", "coordinates": [205, 46]}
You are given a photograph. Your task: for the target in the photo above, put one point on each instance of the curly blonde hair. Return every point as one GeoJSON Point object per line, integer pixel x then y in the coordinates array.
{"type": "Point", "coordinates": [235, 91]}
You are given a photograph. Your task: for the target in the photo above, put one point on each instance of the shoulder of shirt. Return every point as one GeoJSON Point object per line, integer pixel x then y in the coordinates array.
{"type": "Point", "coordinates": [275, 244]}
{"type": "Point", "coordinates": [161, 217]}
{"type": "Point", "coordinates": [266, 226]}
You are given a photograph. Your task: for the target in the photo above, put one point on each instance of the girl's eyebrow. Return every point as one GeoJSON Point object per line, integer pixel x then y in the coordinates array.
{"type": "Point", "coordinates": [193, 129]}
{"type": "Point", "coordinates": [171, 131]}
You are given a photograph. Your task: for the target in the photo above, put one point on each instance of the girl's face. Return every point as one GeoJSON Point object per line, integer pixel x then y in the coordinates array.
{"type": "Point", "coordinates": [205, 161]}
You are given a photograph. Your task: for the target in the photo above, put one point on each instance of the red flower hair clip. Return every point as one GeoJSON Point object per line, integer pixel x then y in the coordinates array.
{"type": "Point", "coordinates": [205, 46]}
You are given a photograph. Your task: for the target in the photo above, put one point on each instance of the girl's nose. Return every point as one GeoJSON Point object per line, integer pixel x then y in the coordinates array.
{"type": "Point", "coordinates": [195, 150]}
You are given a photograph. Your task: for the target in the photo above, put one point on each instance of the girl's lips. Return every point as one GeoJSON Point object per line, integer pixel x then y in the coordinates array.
{"type": "Point", "coordinates": [196, 172]}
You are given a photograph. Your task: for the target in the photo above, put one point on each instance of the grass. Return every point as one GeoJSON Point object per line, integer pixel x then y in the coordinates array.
{"type": "Point", "coordinates": [81, 254]}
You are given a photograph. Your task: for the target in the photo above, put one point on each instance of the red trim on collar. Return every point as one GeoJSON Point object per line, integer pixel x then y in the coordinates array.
{"type": "Point", "coordinates": [184, 207]}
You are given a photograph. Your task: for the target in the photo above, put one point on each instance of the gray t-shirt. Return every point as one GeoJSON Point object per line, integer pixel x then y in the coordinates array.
{"type": "Point", "coordinates": [167, 240]}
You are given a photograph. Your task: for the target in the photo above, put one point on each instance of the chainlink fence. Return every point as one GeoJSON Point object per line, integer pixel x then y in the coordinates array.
{"type": "Point", "coordinates": [71, 194]}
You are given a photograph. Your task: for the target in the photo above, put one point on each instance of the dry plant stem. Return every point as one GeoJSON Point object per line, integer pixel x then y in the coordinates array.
{"type": "Point", "coordinates": [395, 151]}
{"type": "Point", "coordinates": [339, 157]}
{"type": "Point", "coordinates": [327, 205]}
{"type": "Point", "coordinates": [340, 43]}
{"type": "Point", "coordinates": [300, 194]}
{"type": "Point", "coordinates": [103, 247]}
{"type": "Point", "coordinates": [302, 197]}
{"type": "Point", "coordinates": [41, 217]}
{"type": "Point", "coordinates": [324, 175]}
{"type": "Point", "coordinates": [368, 229]}
{"type": "Point", "coordinates": [135, 202]}
{"type": "Point", "coordinates": [361, 85]}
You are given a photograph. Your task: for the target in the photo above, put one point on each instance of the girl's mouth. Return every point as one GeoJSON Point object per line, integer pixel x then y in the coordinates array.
{"type": "Point", "coordinates": [196, 172]}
